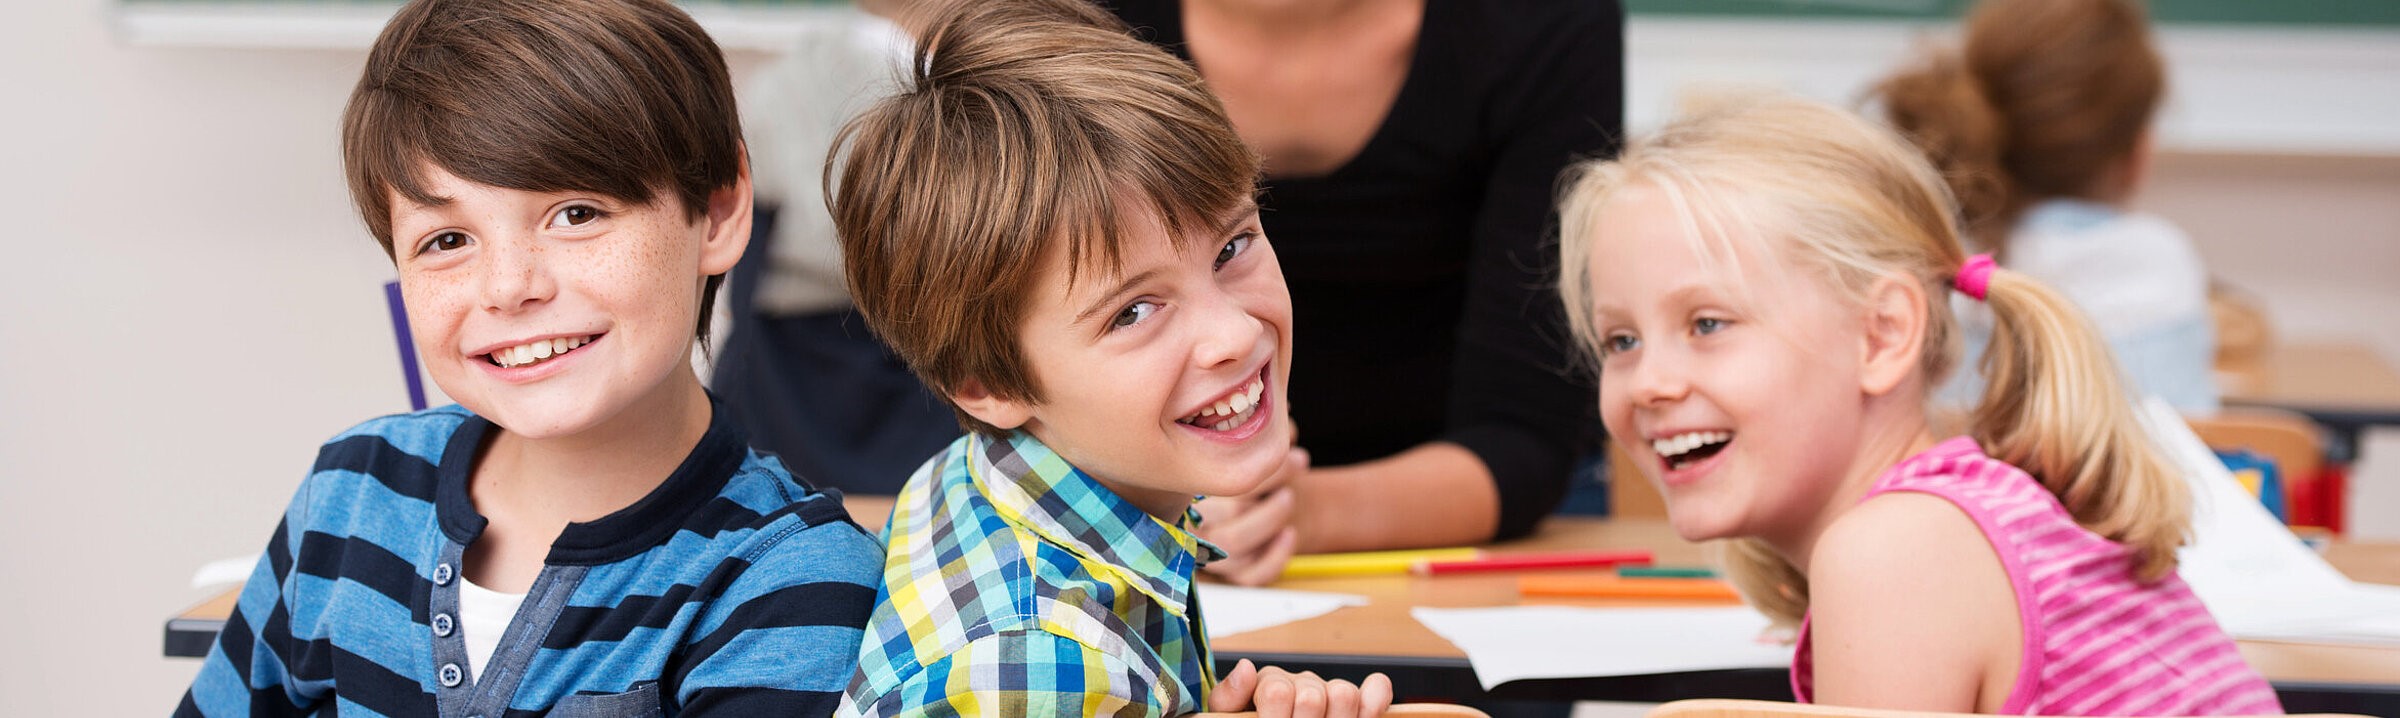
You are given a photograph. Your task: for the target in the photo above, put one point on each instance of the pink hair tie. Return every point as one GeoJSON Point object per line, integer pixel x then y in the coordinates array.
{"type": "Point", "coordinates": [1975, 276]}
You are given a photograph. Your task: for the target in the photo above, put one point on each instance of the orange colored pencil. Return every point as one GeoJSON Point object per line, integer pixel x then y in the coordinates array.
{"type": "Point", "coordinates": [1585, 586]}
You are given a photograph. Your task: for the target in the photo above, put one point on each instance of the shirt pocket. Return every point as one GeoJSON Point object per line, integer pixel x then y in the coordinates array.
{"type": "Point", "coordinates": [641, 702]}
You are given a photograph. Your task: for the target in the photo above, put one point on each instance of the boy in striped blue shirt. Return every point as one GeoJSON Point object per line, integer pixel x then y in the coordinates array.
{"type": "Point", "coordinates": [561, 185]}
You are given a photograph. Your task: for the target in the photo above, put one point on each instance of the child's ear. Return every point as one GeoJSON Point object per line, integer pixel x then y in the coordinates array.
{"type": "Point", "coordinates": [1895, 333]}
{"type": "Point", "coordinates": [728, 221]}
{"type": "Point", "coordinates": [979, 402]}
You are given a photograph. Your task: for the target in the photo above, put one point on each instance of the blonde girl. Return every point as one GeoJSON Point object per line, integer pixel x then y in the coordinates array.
{"type": "Point", "coordinates": [1765, 287]}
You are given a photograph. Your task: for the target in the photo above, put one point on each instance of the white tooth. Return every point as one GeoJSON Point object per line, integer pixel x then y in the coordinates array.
{"type": "Point", "coordinates": [559, 346]}
{"type": "Point", "coordinates": [541, 350]}
{"type": "Point", "coordinates": [1659, 447]}
{"type": "Point", "coordinates": [508, 357]}
{"type": "Point", "coordinates": [1257, 387]}
{"type": "Point", "coordinates": [1240, 403]}
{"type": "Point", "coordinates": [1221, 409]}
{"type": "Point", "coordinates": [1223, 425]}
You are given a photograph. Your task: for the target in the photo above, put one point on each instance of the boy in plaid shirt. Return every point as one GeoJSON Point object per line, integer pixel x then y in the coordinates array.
{"type": "Point", "coordinates": [1053, 225]}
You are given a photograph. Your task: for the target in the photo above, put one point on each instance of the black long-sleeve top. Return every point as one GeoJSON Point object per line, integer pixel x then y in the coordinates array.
{"type": "Point", "coordinates": [1423, 271]}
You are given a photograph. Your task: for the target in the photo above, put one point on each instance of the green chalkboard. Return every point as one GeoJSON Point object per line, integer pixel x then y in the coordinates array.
{"type": "Point", "coordinates": [2368, 14]}
{"type": "Point", "coordinates": [2350, 13]}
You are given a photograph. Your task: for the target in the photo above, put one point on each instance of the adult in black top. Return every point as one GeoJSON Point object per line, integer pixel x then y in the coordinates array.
{"type": "Point", "coordinates": [1431, 357]}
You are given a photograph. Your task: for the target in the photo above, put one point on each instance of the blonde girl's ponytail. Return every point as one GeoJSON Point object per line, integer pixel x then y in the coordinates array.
{"type": "Point", "coordinates": [2056, 406]}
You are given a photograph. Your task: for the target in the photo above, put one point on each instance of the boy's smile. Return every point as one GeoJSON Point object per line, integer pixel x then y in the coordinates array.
{"type": "Point", "coordinates": [553, 314]}
{"type": "Point", "coordinates": [1164, 378]}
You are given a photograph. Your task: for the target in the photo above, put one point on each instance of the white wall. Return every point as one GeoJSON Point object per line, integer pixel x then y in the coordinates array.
{"type": "Point", "coordinates": [187, 307]}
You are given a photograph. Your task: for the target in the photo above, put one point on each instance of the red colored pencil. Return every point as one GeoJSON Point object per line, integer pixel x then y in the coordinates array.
{"type": "Point", "coordinates": [1535, 561]}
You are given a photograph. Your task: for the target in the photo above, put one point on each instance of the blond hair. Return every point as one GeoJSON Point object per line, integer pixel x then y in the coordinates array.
{"type": "Point", "coordinates": [2042, 98]}
{"type": "Point", "coordinates": [1850, 203]}
{"type": "Point", "coordinates": [1024, 123]}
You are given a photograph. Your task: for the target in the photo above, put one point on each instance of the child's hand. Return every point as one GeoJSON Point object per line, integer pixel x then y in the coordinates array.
{"type": "Point", "coordinates": [1276, 693]}
{"type": "Point", "coordinates": [1256, 529]}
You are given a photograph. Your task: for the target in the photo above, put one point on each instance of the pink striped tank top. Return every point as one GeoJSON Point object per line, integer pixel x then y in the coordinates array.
{"type": "Point", "coordinates": [2097, 642]}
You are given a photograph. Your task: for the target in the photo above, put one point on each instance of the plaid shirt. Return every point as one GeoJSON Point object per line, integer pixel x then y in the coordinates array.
{"type": "Point", "coordinates": [1017, 585]}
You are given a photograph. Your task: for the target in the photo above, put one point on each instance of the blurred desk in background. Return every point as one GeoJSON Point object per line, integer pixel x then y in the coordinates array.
{"type": "Point", "coordinates": [2345, 386]}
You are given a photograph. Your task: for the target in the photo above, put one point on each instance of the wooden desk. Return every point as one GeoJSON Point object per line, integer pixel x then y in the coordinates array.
{"type": "Point", "coordinates": [1381, 636]}
{"type": "Point", "coordinates": [2345, 386]}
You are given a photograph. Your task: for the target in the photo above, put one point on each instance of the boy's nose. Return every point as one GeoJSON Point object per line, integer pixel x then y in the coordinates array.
{"type": "Point", "coordinates": [514, 276]}
{"type": "Point", "coordinates": [1228, 332]}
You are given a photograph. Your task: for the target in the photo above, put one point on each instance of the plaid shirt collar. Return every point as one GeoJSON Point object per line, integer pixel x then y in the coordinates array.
{"type": "Point", "coordinates": [1033, 487]}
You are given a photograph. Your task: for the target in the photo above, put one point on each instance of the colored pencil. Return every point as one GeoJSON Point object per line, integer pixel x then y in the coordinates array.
{"type": "Point", "coordinates": [1665, 572]}
{"type": "Point", "coordinates": [1533, 561]}
{"type": "Point", "coordinates": [1613, 587]}
{"type": "Point", "coordinates": [1370, 563]}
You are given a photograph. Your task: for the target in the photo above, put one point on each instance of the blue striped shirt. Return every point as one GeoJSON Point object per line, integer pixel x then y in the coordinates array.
{"type": "Point", "coordinates": [732, 588]}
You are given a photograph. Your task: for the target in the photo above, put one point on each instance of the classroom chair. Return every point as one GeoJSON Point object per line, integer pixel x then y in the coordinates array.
{"type": "Point", "coordinates": [2295, 444]}
{"type": "Point", "coordinates": [1722, 708]}
{"type": "Point", "coordinates": [1414, 710]}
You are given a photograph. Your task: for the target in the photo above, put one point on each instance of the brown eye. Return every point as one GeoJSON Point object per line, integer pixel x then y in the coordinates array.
{"type": "Point", "coordinates": [575, 216]}
{"type": "Point", "coordinates": [445, 242]}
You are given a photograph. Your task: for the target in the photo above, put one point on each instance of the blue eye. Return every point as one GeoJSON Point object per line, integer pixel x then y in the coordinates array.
{"type": "Point", "coordinates": [1132, 314]}
{"type": "Point", "coordinates": [1708, 325]}
{"type": "Point", "coordinates": [1234, 248]}
{"type": "Point", "coordinates": [1615, 343]}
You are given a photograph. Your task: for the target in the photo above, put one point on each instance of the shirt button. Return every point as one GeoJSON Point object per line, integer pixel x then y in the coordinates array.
{"type": "Point", "coordinates": [452, 676]}
{"type": "Point", "coordinates": [442, 625]}
{"type": "Point", "coordinates": [442, 574]}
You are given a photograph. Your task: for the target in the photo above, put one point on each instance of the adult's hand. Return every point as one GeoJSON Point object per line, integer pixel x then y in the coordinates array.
{"type": "Point", "coordinates": [1255, 529]}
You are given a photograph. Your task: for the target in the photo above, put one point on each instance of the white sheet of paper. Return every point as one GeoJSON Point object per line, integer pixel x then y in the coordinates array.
{"type": "Point", "coordinates": [1520, 642]}
{"type": "Point", "coordinates": [2257, 578]}
{"type": "Point", "coordinates": [1235, 609]}
{"type": "Point", "coordinates": [223, 571]}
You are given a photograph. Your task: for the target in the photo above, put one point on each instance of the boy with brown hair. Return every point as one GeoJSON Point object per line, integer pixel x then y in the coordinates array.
{"type": "Point", "coordinates": [561, 185]}
{"type": "Point", "coordinates": [1053, 225]}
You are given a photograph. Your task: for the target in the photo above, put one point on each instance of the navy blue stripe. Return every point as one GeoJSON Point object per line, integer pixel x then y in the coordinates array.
{"type": "Point", "coordinates": [400, 471]}
{"type": "Point", "coordinates": [377, 687]}
{"type": "Point", "coordinates": [824, 603]}
{"type": "Point", "coordinates": [279, 550]}
{"type": "Point", "coordinates": [721, 515]}
{"type": "Point", "coordinates": [763, 702]}
{"type": "Point", "coordinates": [579, 624]}
{"type": "Point", "coordinates": [366, 563]}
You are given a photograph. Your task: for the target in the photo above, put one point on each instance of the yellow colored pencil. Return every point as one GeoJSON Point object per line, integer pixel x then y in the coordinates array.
{"type": "Point", "coordinates": [1370, 563]}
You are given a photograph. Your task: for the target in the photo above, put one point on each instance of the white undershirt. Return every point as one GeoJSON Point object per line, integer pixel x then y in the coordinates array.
{"type": "Point", "coordinates": [483, 616]}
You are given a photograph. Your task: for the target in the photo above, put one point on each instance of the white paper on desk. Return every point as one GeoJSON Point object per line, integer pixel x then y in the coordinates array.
{"type": "Point", "coordinates": [1234, 609]}
{"type": "Point", "coordinates": [1520, 642]}
{"type": "Point", "coordinates": [223, 571]}
{"type": "Point", "coordinates": [2257, 578]}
